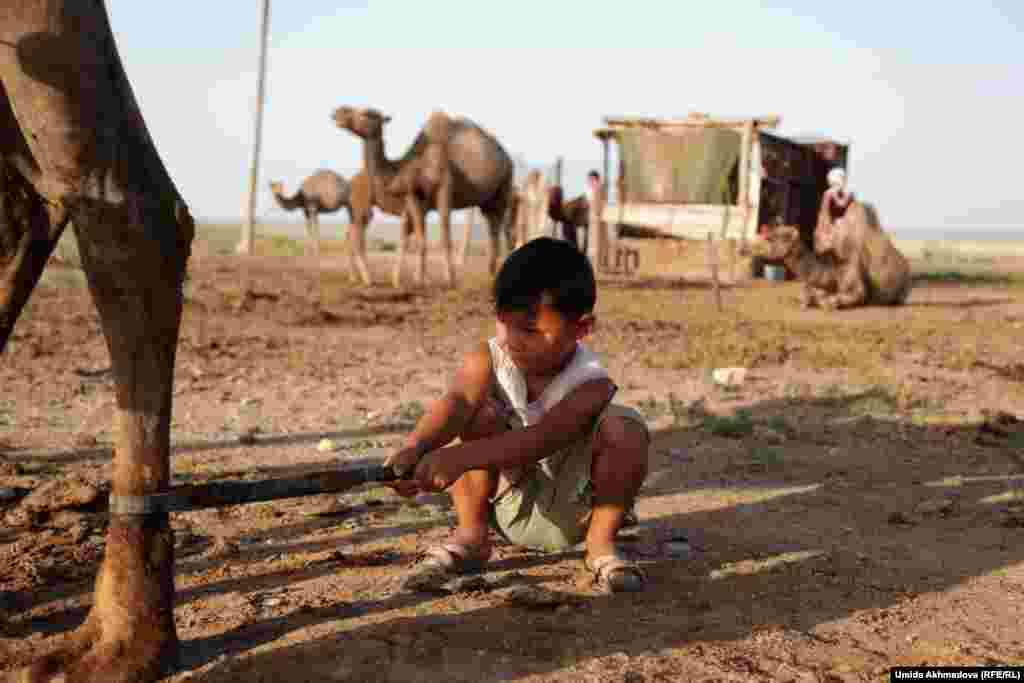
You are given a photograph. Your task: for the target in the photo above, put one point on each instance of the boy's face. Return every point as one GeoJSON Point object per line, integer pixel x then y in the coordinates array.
{"type": "Point", "coordinates": [539, 340]}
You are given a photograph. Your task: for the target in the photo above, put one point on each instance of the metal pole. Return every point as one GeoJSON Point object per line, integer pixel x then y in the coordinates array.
{"type": "Point", "coordinates": [245, 246]}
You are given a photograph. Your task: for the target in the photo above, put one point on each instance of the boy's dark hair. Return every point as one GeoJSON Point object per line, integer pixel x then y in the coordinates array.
{"type": "Point", "coordinates": [594, 174]}
{"type": "Point", "coordinates": [546, 266]}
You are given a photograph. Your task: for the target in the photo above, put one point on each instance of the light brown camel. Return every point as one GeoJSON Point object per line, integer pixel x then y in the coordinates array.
{"type": "Point", "coordinates": [327, 192]}
{"type": "Point", "coordinates": [864, 269]}
{"type": "Point", "coordinates": [75, 148]}
{"type": "Point", "coordinates": [452, 164]}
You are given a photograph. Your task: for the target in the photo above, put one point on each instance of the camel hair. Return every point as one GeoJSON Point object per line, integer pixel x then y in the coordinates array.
{"type": "Point", "coordinates": [74, 148]}
{"type": "Point", "coordinates": [571, 215]}
{"type": "Point", "coordinates": [863, 269]}
{"type": "Point", "coordinates": [452, 164]}
{"type": "Point", "coordinates": [327, 192]}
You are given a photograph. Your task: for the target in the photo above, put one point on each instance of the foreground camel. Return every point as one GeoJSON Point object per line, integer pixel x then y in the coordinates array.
{"type": "Point", "coordinates": [75, 148]}
{"type": "Point", "coordinates": [864, 269]}
{"type": "Point", "coordinates": [452, 164]}
{"type": "Point", "coordinates": [327, 192]}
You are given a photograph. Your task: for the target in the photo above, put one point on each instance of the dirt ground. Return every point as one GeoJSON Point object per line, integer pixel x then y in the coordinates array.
{"type": "Point", "coordinates": [857, 503]}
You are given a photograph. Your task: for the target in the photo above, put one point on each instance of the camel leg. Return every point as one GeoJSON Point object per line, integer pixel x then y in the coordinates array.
{"type": "Point", "coordinates": [135, 275]}
{"type": "Point", "coordinates": [357, 249]}
{"type": "Point", "coordinates": [852, 291]}
{"type": "Point", "coordinates": [444, 212]}
{"type": "Point", "coordinates": [403, 245]}
{"type": "Point", "coordinates": [494, 234]}
{"type": "Point", "coordinates": [313, 227]}
{"type": "Point", "coordinates": [96, 160]}
{"type": "Point", "coordinates": [419, 225]}
{"type": "Point", "coordinates": [26, 225]}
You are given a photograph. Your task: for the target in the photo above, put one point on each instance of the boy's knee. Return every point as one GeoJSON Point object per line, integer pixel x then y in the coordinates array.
{"type": "Point", "coordinates": [622, 435]}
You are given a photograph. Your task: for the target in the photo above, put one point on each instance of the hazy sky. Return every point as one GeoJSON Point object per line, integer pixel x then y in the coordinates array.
{"type": "Point", "coordinates": [930, 99]}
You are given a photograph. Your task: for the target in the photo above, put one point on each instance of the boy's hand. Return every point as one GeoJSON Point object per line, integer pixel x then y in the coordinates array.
{"type": "Point", "coordinates": [404, 463]}
{"type": "Point", "coordinates": [437, 472]}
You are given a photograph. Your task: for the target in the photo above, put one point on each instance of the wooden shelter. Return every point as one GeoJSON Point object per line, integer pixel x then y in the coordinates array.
{"type": "Point", "coordinates": [687, 177]}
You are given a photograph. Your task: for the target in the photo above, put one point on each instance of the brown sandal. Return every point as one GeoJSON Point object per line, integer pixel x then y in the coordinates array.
{"type": "Point", "coordinates": [441, 562]}
{"type": "Point", "coordinates": [615, 574]}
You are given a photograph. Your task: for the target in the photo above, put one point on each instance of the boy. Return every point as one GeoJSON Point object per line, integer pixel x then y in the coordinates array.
{"type": "Point", "coordinates": [545, 457]}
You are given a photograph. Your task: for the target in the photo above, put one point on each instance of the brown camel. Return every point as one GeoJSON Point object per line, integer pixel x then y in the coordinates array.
{"type": "Point", "coordinates": [75, 148]}
{"type": "Point", "coordinates": [571, 215]}
{"type": "Point", "coordinates": [326, 192]}
{"type": "Point", "coordinates": [864, 269]}
{"type": "Point", "coordinates": [452, 164]}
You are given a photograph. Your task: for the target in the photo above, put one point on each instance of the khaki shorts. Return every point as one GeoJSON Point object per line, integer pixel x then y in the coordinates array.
{"type": "Point", "coordinates": [549, 505]}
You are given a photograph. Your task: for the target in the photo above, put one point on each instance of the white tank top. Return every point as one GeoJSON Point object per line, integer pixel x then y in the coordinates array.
{"type": "Point", "coordinates": [511, 383]}
{"type": "Point", "coordinates": [510, 393]}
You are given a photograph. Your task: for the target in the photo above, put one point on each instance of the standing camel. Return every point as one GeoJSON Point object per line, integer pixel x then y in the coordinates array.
{"type": "Point", "coordinates": [452, 164]}
{"type": "Point", "coordinates": [571, 215]}
{"type": "Point", "coordinates": [75, 148]}
{"type": "Point", "coordinates": [326, 192]}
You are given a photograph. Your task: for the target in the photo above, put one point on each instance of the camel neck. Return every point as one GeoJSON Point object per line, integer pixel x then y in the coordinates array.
{"type": "Point", "coordinates": [289, 203]}
{"type": "Point", "coordinates": [375, 160]}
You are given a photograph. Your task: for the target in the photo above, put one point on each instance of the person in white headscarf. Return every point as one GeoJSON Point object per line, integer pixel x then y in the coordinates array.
{"type": "Point", "coordinates": [834, 203]}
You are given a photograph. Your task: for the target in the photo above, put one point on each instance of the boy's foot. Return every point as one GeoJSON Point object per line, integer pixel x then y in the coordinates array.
{"type": "Point", "coordinates": [442, 562]}
{"type": "Point", "coordinates": [615, 574]}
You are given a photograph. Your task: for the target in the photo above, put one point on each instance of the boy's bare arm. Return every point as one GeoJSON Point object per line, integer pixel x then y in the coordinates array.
{"type": "Point", "coordinates": [447, 417]}
{"type": "Point", "coordinates": [566, 423]}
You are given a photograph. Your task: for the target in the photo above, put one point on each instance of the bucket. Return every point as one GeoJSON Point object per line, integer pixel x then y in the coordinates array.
{"type": "Point", "coordinates": [775, 273]}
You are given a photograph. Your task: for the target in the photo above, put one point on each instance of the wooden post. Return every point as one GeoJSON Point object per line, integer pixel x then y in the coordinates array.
{"type": "Point", "coordinates": [558, 171]}
{"type": "Point", "coordinates": [713, 262]}
{"type": "Point", "coordinates": [245, 246]}
{"type": "Point", "coordinates": [468, 221]}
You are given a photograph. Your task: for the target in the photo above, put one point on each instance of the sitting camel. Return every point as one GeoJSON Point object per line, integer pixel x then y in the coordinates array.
{"type": "Point", "coordinates": [452, 164]}
{"type": "Point", "coordinates": [571, 215]}
{"type": "Point", "coordinates": [326, 192]}
{"type": "Point", "coordinates": [865, 268]}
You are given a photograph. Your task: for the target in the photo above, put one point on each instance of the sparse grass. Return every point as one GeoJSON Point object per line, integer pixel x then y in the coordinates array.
{"type": "Point", "coordinates": [777, 423]}
{"type": "Point", "coordinates": [833, 392]}
{"type": "Point", "coordinates": [278, 245]}
{"type": "Point", "coordinates": [651, 408]}
{"type": "Point", "coordinates": [409, 411]}
{"type": "Point", "coordinates": [970, 277]}
{"type": "Point", "coordinates": [7, 413]}
{"type": "Point", "coordinates": [679, 410]}
{"type": "Point", "coordinates": [1016, 441]}
{"type": "Point", "coordinates": [875, 400]}
{"type": "Point", "coordinates": [766, 455]}
{"type": "Point", "coordinates": [382, 245]}
{"type": "Point", "coordinates": [738, 424]}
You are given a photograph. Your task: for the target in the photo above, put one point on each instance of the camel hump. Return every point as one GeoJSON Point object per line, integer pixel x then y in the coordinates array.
{"type": "Point", "coordinates": [438, 128]}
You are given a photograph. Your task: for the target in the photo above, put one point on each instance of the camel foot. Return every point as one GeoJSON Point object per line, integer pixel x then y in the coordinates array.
{"type": "Point", "coordinates": [145, 654]}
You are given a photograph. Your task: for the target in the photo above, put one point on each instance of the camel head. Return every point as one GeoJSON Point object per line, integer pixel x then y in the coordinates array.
{"type": "Point", "coordinates": [778, 243]}
{"type": "Point", "coordinates": [277, 187]}
{"type": "Point", "coordinates": [364, 122]}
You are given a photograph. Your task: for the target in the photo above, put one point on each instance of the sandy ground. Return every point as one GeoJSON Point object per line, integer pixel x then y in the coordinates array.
{"type": "Point", "coordinates": [857, 503]}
